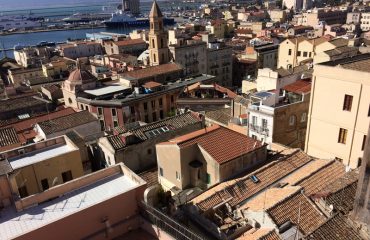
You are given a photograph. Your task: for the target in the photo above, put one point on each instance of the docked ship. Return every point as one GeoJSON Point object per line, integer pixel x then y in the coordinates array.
{"type": "Point", "coordinates": [125, 19]}
{"type": "Point", "coordinates": [18, 22]}
{"type": "Point", "coordinates": [86, 17]}
{"type": "Point", "coordinates": [127, 16]}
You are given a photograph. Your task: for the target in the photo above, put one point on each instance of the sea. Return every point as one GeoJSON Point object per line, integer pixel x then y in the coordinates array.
{"type": "Point", "coordinates": [59, 12]}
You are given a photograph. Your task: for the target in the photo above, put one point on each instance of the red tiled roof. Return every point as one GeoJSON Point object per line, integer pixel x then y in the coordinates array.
{"type": "Point", "coordinates": [129, 42]}
{"type": "Point", "coordinates": [300, 86]}
{"type": "Point", "coordinates": [155, 70]}
{"type": "Point", "coordinates": [299, 210]}
{"type": "Point", "coordinates": [319, 180]}
{"type": "Point", "coordinates": [29, 123]}
{"type": "Point", "coordinates": [151, 84]}
{"type": "Point", "coordinates": [229, 93]}
{"type": "Point", "coordinates": [221, 143]}
{"type": "Point", "coordinates": [243, 188]}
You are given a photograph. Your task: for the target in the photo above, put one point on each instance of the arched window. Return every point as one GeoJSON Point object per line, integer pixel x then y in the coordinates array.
{"type": "Point", "coordinates": [154, 57]}
{"type": "Point", "coordinates": [70, 100]}
{"type": "Point", "coordinates": [153, 44]}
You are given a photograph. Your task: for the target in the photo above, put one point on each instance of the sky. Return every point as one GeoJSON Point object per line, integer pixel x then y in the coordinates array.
{"type": "Point", "coordinates": [33, 4]}
{"type": "Point", "coordinates": [7, 5]}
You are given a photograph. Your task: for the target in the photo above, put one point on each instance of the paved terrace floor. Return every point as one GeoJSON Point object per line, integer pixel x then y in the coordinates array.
{"type": "Point", "coordinates": [13, 223]}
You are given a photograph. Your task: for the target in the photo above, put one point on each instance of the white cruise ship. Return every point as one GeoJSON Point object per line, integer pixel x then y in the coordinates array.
{"type": "Point", "coordinates": [17, 22]}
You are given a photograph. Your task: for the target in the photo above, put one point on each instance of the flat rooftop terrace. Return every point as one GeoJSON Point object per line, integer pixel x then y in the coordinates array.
{"type": "Point", "coordinates": [13, 223]}
{"type": "Point", "coordinates": [40, 155]}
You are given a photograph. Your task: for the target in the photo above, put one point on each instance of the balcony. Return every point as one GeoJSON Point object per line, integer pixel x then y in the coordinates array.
{"type": "Point", "coordinates": [259, 129]}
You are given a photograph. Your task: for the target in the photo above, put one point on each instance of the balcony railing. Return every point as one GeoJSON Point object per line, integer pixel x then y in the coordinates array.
{"type": "Point", "coordinates": [259, 129]}
{"type": "Point", "coordinates": [167, 224]}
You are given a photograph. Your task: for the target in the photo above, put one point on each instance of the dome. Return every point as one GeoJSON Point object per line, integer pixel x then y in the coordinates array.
{"type": "Point", "coordinates": [79, 75]}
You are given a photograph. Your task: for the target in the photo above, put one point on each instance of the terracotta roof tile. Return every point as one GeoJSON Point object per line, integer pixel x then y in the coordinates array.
{"type": "Point", "coordinates": [221, 143]}
{"type": "Point", "coordinates": [260, 234]}
{"type": "Point", "coordinates": [150, 177]}
{"type": "Point", "coordinates": [221, 116]}
{"type": "Point", "coordinates": [129, 42]}
{"type": "Point", "coordinates": [30, 122]}
{"type": "Point", "coordinates": [151, 84]}
{"type": "Point", "coordinates": [8, 136]}
{"type": "Point", "coordinates": [299, 210]}
{"type": "Point", "coordinates": [306, 171]}
{"type": "Point", "coordinates": [317, 181]}
{"type": "Point", "coordinates": [67, 122]}
{"type": "Point", "coordinates": [336, 228]}
{"type": "Point", "coordinates": [176, 122]}
{"type": "Point", "coordinates": [155, 70]}
{"type": "Point", "coordinates": [243, 188]}
{"type": "Point", "coordinates": [341, 192]}
{"type": "Point", "coordinates": [270, 198]}
{"type": "Point", "coordinates": [300, 86]}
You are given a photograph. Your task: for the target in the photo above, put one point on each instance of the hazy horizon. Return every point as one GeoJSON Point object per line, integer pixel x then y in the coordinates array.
{"type": "Point", "coordinates": [8, 5]}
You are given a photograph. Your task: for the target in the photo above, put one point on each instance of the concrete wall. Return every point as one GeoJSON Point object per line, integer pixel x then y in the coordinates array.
{"type": "Point", "coordinates": [122, 218]}
{"type": "Point", "coordinates": [326, 116]}
{"type": "Point", "coordinates": [51, 169]}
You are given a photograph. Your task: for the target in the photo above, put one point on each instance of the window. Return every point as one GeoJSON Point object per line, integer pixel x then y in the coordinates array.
{"type": "Point", "coordinates": [153, 45]}
{"type": "Point", "coordinates": [160, 102]}
{"type": "Point", "coordinates": [264, 123]}
{"type": "Point", "coordinates": [304, 54]}
{"type": "Point", "coordinates": [145, 106]}
{"type": "Point", "coordinates": [254, 137]}
{"type": "Point", "coordinates": [132, 109]}
{"type": "Point", "coordinates": [359, 162]}
{"type": "Point", "coordinates": [368, 113]}
{"type": "Point", "coordinates": [23, 191]}
{"type": "Point", "coordinates": [161, 42]}
{"type": "Point", "coordinates": [347, 105]}
{"type": "Point", "coordinates": [45, 184]}
{"type": "Point", "coordinates": [303, 117]}
{"type": "Point", "coordinates": [114, 112]}
{"type": "Point", "coordinates": [115, 123]}
{"type": "Point", "coordinates": [100, 111]}
{"type": "Point", "coordinates": [102, 125]}
{"type": "Point", "coordinates": [363, 143]}
{"type": "Point", "coordinates": [67, 176]}
{"type": "Point", "coordinates": [153, 104]}
{"type": "Point", "coordinates": [154, 58]}
{"type": "Point", "coordinates": [254, 120]}
{"type": "Point", "coordinates": [146, 118]}
{"type": "Point", "coordinates": [292, 120]}
{"type": "Point", "coordinates": [172, 99]}
{"type": "Point", "coordinates": [70, 100]}
{"type": "Point", "coordinates": [177, 176]}
{"type": "Point", "coordinates": [342, 135]}
{"type": "Point", "coordinates": [299, 53]}
{"type": "Point", "coordinates": [310, 54]}
{"type": "Point", "coordinates": [161, 115]}
{"type": "Point", "coordinates": [154, 116]}
{"type": "Point", "coordinates": [208, 178]}
{"type": "Point", "coordinates": [161, 171]}
{"type": "Point", "coordinates": [290, 52]}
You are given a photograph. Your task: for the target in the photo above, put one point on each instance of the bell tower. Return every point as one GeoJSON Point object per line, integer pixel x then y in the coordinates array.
{"type": "Point", "coordinates": [158, 48]}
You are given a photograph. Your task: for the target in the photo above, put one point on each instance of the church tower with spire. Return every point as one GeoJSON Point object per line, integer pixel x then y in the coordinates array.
{"type": "Point", "coordinates": [158, 48]}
